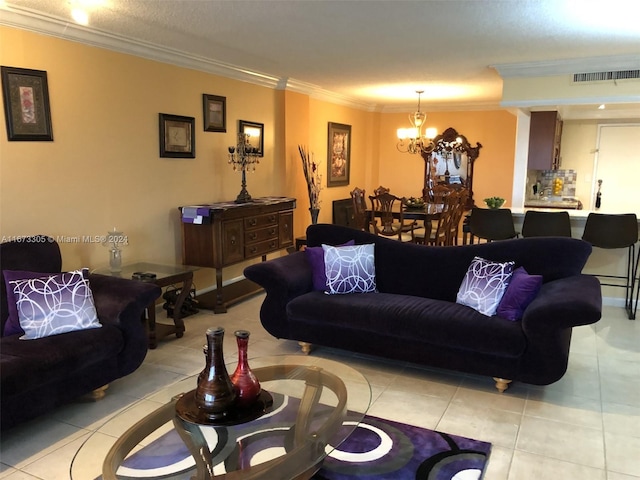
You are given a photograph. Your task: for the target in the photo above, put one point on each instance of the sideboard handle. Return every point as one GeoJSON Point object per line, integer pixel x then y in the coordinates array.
{"type": "Point", "coordinates": [253, 222]}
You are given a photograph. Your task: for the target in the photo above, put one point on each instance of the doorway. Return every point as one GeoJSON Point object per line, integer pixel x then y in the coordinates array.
{"type": "Point", "coordinates": [617, 164]}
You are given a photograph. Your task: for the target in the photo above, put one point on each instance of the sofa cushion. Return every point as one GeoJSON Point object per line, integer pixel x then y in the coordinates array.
{"type": "Point", "coordinates": [315, 255]}
{"type": "Point", "coordinates": [521, 291]}
{"type": "Point", "coordinates": [350, 269]}
{"type": "Point", "coordinates": [54, 304]}
{"type": "Point", "coordinates": [436, 322]}
{"type": "Point", "coordinates": [484, 285]}
{"type": "Point", "coordinates": [30, 365]}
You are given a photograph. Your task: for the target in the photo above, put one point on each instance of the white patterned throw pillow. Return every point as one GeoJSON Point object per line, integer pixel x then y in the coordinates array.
{"type": "Point", "coordinates": [350, 269]}
{"type": "Point", "coordinates": [484, 285]}
{"type": "Point", "coordinates": [54, 304]}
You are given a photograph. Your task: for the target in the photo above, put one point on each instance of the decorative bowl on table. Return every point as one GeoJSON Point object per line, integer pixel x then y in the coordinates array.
{"type": "Point", "coordinates": [413, 202]}
{"type": "Point", "coordinates": [494, 202]}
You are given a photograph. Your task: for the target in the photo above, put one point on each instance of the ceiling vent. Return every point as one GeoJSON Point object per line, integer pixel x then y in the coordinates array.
{"type": "Point", "coordinates": [606, 76]}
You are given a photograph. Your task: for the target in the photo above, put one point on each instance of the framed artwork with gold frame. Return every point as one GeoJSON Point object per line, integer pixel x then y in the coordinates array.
{"type": "Point", "coordinates": [177, 136]}
{"type": "Point", "coordinates": [338, 154]}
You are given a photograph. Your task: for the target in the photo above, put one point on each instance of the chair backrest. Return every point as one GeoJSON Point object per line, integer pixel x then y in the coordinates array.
{"type": "Point", "coordinates": [546, 224]}
{"type": "Point", "coordinates": [359, 208]}
{"type": "Point", "coordinates": [383, 219]}
{"type": "Point", "coordinates": [492, 224]}
{"type": "Point", "coordinates": [380, 190]}
{"type": "Point", "coordinates": [611, 231]}
{"type": "Point", "coordinates": [442, 235]}
{"type": "Point", "coordinates": [438, 193]}
{"type": "Point", "coordinates": [456, 215]}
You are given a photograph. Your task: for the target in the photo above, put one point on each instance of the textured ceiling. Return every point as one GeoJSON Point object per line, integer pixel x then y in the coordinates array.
{"type": "Point", "coordinates": [375, 52]}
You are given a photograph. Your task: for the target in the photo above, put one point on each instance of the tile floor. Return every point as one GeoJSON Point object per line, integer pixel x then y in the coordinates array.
{"type": "Point", "coordinates": [584, 427]}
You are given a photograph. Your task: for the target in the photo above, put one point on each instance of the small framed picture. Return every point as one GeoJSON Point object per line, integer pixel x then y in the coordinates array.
{"type": "Point", "coordinates": [338, 154]}
{"type": "Point", "coordinates": [177, 136]}
{"type": "Point", "coordinates": [214, 113]}
{"type": "Point", "coordinates": [26, 104]}
{"type": "Point", "coordinates": [256, 134]}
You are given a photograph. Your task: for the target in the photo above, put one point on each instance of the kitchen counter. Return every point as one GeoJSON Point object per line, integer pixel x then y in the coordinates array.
{"type": "Point", "coordinates": [561, 203]}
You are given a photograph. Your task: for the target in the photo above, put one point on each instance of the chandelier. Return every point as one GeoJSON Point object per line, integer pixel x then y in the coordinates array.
{"type": "Point", "coordinates": [243, 157]}
{"type": "Point", "coordinates": [411, 139]}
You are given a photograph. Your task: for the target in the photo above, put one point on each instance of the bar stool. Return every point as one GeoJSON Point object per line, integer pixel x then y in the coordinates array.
{"type": "Point", "coordinates": [491, 224]}
{"type": "Point", "coordinates": [617, 231]}
{"type": "Point", "coordinates": [546, 224]}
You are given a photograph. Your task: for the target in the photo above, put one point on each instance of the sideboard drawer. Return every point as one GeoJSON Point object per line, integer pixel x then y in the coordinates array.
{"type": "Point", "coordinates": [267, 233]}
{"type": "Point", "coordinates": [261, 248]}
{"type": "Point", "coordinates": [259, 221]}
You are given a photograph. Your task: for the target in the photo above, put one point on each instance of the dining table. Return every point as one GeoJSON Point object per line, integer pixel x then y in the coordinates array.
{"type": "Point", "coordinates": [425, 212]}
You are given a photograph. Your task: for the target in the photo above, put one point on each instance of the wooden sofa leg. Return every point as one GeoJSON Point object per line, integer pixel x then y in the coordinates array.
{"type": "Point", "coordinates": [95, 395]}
{"type": "Point", "coordinates": [306, 347]}
{"type": "Point", "coordinates": [502, 384]}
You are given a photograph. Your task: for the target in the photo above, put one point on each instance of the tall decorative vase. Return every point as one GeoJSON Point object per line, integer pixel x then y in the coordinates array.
{"type": "Point", "coordinates": [314, 215]}
{"type": "Point", "coordinates": [215, 393]}
{"type": "Point", "coordinates": [246, 384]}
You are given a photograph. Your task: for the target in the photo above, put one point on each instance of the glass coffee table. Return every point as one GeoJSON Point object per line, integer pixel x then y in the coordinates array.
{"type": "Point", "coordinates": [317, 404]}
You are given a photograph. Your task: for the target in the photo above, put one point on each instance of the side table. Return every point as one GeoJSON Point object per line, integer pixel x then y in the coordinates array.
{"type": "Point", "coordinates": [165, 275]}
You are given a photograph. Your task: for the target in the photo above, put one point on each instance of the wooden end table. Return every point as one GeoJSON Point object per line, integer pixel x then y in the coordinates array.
{"type": "Point", "coordinates": [165, 275]}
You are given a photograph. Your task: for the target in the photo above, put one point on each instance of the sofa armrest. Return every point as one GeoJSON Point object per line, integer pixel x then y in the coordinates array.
{"type": "Point", "coordinates": [121, 302]}
{"type": "Point", "coordinates": [283, 279]}
{"type": "Point", "coordinates": [564, 303]}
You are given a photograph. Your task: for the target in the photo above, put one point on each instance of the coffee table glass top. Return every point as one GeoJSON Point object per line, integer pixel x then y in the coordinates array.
{"type": "Point", "coordinates": [312, 399]}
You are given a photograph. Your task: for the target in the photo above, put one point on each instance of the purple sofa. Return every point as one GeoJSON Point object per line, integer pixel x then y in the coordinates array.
{"type": "Point", "coordinates": [413, 317]}
{"type": "Point", "coordinates": [39, 375]}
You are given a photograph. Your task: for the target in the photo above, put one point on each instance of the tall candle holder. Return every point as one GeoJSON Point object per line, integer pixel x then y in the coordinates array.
{"type": "Point", "coordinates": [244, 157]}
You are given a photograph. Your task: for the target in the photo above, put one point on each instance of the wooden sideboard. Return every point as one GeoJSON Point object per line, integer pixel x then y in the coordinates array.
{"type": "Point", "coordinates": [222, 234]}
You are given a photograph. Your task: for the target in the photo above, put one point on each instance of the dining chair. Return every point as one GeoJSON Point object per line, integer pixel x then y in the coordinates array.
{"type": "Point", "coordinates": [456, 216]}
{"type": "Point", "coordinates": [441, 235]}
{"type": "Point", "coordinates": [492, 224]}
{"type": "Point", "coordinates": [388, 220]}
{"type": "Point", "coordinates": [359, 209]}
{"type": "Point", "coordinates": [611, 231]}
{"type": "Point", "coordinates": [546, 224]}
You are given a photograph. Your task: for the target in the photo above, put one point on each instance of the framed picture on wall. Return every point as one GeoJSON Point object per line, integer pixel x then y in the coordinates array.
{"type": "Point", "coordinates": [26, 104]}
{"type": "Point", "coordinates": [177, 136]}
{"type": "Point", "coordinates": [214, 113]}
{"type": "Point", "coordinates": [256, 134]}
{"type": "Point", "coordinates": [338, 154]}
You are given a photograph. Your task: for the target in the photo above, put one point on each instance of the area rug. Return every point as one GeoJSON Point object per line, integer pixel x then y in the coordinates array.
{"type": "Point", "coordinates": [377, 449]}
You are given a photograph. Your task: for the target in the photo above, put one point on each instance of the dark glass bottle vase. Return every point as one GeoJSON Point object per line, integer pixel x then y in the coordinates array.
{"type": "Point", "coordinates": [215, 394]}
{"type": "Point", "coordinates": [245, 382]}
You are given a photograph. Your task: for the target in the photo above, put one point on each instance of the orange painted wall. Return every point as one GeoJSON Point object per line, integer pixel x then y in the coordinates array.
{"type": "Point", "coordinates": [493, 171]}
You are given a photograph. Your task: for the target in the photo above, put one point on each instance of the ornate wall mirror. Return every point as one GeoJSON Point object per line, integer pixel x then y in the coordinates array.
{"type": "Point", "coordinates": [450, 162]}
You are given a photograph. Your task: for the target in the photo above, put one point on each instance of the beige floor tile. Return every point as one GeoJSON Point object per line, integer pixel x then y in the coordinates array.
{"type": "Point", "coordinates": [621, 419]}
{"type": "Point", "coordinates": [623, 454]}
{"type": "Point", "coordinates": [491, 399]}
{"type": "Point", "coordinates": [20, 475]}
{"type": "Point", "coordinates": [619, 379]}
{"type": "Point", "coordinates": [481, 422]}
{"type": "Point", "coordinates": [526, 466]}
{"type": "Point", "coordinates": [499, 463]}
{"type": "Point", "coordinates": [553, 405]}
{"type": "Point", "coordinates": [620, 476]}
{"type": "Point", "coordinates": [35, 439]}
{"type": "Point", "coordinates": [562, 441]}
{"type": "Point", "coordinates": [420, 410]}
{"type": "Point", "coordinates": [55, 464]}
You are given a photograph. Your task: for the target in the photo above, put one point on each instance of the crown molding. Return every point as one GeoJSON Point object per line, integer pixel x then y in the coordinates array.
{"type": "Point", "coordinates": [568, 66]}
{"type": "Point", "coordinates": [26, 19]}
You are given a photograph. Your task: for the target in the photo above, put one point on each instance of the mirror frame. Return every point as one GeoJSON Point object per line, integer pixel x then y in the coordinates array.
{"type": "Point", "coordinates": [451, 141]}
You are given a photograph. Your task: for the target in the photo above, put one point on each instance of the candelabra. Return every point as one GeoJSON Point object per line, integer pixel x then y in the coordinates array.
{"type": "Point", "coordinates": [243, 157]}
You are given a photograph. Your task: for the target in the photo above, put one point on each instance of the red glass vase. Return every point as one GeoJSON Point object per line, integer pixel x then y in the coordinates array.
{"type": "Point", "coordinates": [215, 394]}
{"type": "Point", "coordinates": [245, 382]}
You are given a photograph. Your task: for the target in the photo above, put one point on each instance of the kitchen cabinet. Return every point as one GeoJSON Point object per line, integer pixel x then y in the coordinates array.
{"type": "Point", "coordinates": [545, 132]}
{"type": "Point", "coordinates": [226, 233]}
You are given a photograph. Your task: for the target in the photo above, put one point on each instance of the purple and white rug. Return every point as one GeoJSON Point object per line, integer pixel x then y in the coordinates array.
{"type": "Point", "coordinates": [378, 449]}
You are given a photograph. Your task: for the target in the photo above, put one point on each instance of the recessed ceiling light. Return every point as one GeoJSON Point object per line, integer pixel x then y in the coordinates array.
{"type": "Point", "coordinates": [80, 16]}
{"type": "Point", "coordinates": [601, 107]}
